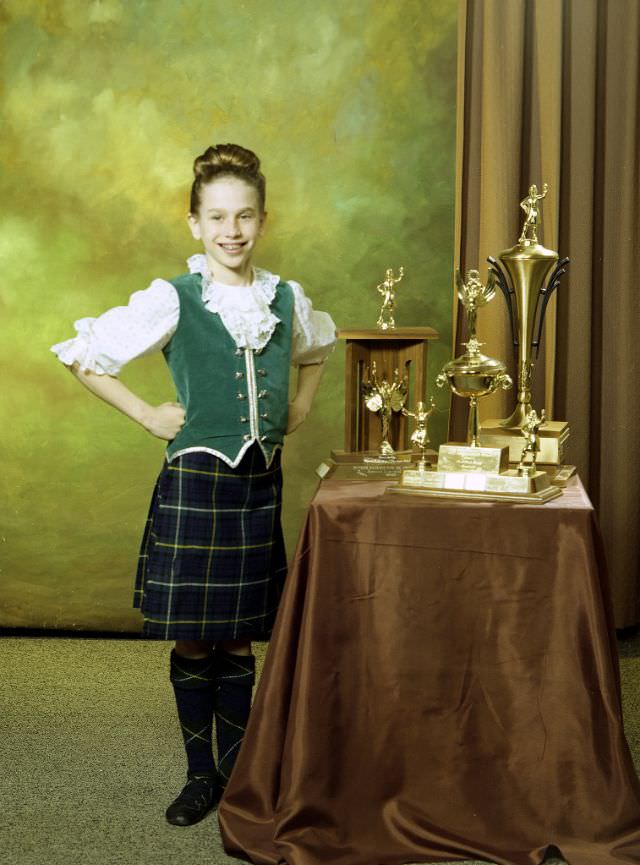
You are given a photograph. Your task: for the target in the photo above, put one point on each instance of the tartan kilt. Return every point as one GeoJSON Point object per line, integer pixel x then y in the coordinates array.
{"type": "Point", "coordinates": [212, 560]}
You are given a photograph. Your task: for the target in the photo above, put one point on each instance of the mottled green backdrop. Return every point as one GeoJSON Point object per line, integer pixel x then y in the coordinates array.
{"type": "Point", "coordinates": [105, 105]}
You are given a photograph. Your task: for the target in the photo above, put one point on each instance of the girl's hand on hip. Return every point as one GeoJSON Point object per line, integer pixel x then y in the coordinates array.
{"type": "Point", "coordinates": [308, 379]}
{"type": "Point", "coordinates": [165, 421]}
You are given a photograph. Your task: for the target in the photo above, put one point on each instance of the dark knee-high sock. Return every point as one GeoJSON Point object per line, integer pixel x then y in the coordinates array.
{"type": "Point", "coordinates": [194, 687]}
{"type": "Point", "coordinates": [235, 676]}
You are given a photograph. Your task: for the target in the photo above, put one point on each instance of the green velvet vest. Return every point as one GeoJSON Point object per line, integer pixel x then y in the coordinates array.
{"type": "Point", "coordinates": [232, 397]}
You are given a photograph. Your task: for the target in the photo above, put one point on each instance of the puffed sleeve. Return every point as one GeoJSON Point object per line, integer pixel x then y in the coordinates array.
{"type": "Point", "coordinates": [105, 344]}
{"type": "Point", "coordinates": [314, 332]}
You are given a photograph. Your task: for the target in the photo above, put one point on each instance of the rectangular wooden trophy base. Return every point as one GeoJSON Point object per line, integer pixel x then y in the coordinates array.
{"type": "Point", "coordinates": [507, 486]}
{"type": "Point", "coordinates": [368, 465]}
{"type": "Point", "coordinates": [553, 438]}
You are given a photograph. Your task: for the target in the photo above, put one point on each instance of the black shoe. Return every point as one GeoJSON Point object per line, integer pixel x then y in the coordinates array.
{"type": "Point", "coordinates": [199, 796]}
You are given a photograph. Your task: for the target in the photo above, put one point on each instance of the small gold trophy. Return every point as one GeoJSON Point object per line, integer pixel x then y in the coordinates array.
{"type": "Point", "coordinates": [471, 470]}
{"type": "Point", "coordinates": [420, 436]}
{"type": "Point", "coordinates": [384, 397]}
{"type": "Point", "coordinates": [527, 275]}
{"type": "Point", "coordinates": [387, 289]}
{"type": "Point", "coordinates": [530, 431]}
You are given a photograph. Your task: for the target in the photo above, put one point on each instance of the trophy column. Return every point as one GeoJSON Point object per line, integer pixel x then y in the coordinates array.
{"type": "Point", "coordinates": [404, 349]}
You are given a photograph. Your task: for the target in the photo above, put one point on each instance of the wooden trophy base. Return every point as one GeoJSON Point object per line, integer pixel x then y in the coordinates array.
{"type": "Point", "coordinates": [507, 486]}
{"type": "Point", "coordinates": [369, 465]}
{"type": "Point", "coordinates": [468, 472]}
{"type": "Point", "coordinates": [553, 438]}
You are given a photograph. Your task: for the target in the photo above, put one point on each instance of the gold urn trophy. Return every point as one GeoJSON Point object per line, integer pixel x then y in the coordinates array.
{"type": "Point", "coordinates": [471, 470]}
{"type": "Point", "coordinates": [528, 274]}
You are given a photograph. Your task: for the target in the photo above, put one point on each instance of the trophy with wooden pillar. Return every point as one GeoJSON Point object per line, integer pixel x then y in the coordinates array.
{"type": "Point", "coordinates": [527, 274]}
{"type": "Point", "coordinates": [398, 355]}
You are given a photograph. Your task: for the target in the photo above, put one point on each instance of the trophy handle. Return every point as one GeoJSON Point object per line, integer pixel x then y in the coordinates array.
{"type": "Point", "coordinates": [546, 291]}
{"type": "Point", "coordinates": [494, 267]}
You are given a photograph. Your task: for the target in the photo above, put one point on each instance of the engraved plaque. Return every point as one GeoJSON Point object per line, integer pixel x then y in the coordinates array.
{"type": "Point", "coordinates": [462, 458]}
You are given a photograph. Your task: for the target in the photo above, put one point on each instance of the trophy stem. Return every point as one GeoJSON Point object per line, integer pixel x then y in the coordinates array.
{"type": "Point", "coordinates": [517, 418]}
{"type": "Point", "coordinates": [523, 404]}
{"type": "Point", "coordinates": [472, 428]}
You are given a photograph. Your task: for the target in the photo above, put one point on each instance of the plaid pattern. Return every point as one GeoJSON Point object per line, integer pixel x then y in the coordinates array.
{"type": "Point", "coordinates": [212, 561]}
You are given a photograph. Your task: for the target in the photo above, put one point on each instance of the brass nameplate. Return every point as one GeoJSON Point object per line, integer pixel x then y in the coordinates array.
{"type": "Point", "coordinates": [561, 476]}
{"type": "Point", "coordinates": [369, 470]}
{"type": "Point", "coordinates": [465, 459]}
{"type": "Point", "coordinates": [340, 456]}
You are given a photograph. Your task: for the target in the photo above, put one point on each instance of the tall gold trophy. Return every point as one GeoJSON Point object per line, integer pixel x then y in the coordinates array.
{"type": "Point", "coordinates": [472, 470]}
{"type": "Point", "coordinates": [527, 274]}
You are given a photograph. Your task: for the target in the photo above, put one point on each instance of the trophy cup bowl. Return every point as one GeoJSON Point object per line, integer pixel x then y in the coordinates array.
{"type": "Point", "coordinates": [474, 382]}
{"type": "Point", "coordinates": [474, 375]}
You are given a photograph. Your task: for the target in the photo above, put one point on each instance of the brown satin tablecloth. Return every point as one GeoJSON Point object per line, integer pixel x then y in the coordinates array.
{"type": "Point", "coordinates": [442, 684]}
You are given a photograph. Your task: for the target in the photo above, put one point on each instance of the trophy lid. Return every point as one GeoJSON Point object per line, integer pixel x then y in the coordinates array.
{"type": "Point", "coordinates": [473, 362]}
{"type": "Point", "coordinates": [473, 374]}
{"type": "Point", "coordinates": [528, 250]}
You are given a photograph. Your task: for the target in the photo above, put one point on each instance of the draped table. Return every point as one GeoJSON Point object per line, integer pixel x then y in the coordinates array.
{"type": "Point", "coordinates": [442, 683]}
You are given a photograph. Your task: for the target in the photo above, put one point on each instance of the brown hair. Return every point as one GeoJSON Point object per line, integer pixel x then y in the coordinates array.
{"type": "Point", "coordinates": [226, 160]}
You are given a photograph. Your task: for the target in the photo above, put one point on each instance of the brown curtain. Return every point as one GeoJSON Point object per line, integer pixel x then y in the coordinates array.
{"type": "Point", "coordinates": [548, 91]}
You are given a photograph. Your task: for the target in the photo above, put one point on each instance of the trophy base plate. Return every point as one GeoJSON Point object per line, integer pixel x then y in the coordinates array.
{"type": "Point", "coordinates": [507, 486]}
{"type": "Point", "coordinates": [369, 465]}
{"type": "Point", "coordinates": [553, 438]}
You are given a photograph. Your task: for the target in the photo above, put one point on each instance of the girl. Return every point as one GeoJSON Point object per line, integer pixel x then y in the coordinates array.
{"type": "Point", "coordinates": [212, 560]}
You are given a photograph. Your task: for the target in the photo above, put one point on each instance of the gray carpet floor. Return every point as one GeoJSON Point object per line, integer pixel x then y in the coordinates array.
{"type": "Point", "coordinates": [90, 754]}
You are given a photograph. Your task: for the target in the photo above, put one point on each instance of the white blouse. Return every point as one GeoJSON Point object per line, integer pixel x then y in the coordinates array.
{"type": "Point", "coordinates": [105, 344]}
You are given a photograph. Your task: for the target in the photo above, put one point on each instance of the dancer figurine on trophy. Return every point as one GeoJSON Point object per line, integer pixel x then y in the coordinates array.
{"type": "Point", "coordinates": [530, 206]}
{"type": "Point", "coordinates": [386, 320]}
{"type": "Point", "coordinates": [530, 430]}
{"type": "Point", "coordinates": [420, 436]}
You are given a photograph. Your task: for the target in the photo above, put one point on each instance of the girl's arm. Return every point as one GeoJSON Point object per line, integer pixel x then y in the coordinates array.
{"type": "Point", "coordinates": [309, 377]}
{"type": "Point", "coordinates": [164, 421]}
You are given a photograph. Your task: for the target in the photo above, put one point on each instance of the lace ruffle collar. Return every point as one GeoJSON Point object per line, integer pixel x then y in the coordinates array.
{"type": "Point", "coordinates": [244, 310]}
{"type": "Point", "coordinates": [264, 281]}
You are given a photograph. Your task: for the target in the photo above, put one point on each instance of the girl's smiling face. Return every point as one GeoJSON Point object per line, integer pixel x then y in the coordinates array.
{"type": "Point", "coordinates": [228, 223]}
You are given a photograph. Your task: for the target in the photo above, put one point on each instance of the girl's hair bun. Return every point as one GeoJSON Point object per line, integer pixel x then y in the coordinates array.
{"type": "Point", "coordinates": [229, 157]}
{"type": "Point", "coordinates": [222, 160]}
